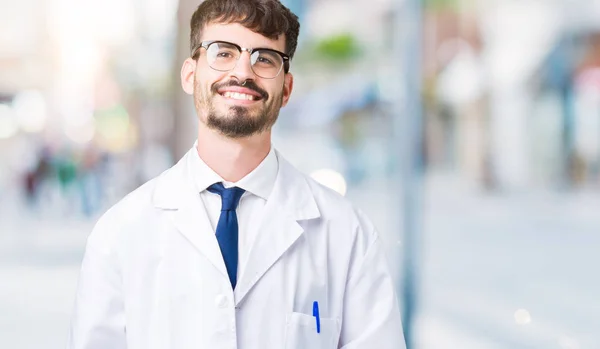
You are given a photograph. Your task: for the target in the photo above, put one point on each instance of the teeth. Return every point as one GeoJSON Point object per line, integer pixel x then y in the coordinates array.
{"type": "Point", "coordinates": [236, 95]}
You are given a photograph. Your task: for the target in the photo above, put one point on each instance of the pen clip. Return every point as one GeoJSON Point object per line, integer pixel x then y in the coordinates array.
{"type": "Point", "coordinates": [316, 315]}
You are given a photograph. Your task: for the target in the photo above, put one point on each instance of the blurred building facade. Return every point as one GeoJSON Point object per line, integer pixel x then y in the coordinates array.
{"type": "Point", "coordinates": [106, 77]}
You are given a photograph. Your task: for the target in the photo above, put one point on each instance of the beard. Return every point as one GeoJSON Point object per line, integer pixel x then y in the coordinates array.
{"type": "Point", "coordinates": [237, 121]}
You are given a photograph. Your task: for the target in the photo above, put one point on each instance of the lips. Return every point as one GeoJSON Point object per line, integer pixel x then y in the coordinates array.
{"type": "Point", "coordinates": [248, 93]}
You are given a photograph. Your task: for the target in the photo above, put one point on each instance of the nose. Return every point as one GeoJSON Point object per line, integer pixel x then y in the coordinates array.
{"type": "Point", "coordinates": [243, 68]}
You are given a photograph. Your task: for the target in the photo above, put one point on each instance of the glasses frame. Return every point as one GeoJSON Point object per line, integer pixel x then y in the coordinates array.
{"type": "Point", "coordinates": [206, 44]}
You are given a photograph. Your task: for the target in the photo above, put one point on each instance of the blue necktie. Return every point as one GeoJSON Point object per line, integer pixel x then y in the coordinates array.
{"type": "Point", "coordinates": [227, 228]}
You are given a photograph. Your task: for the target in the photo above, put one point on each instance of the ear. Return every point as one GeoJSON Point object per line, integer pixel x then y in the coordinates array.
{"type": "Point", "coordinates": [188, 71]}
{"type": "Point", "coordinates": [288, 85]}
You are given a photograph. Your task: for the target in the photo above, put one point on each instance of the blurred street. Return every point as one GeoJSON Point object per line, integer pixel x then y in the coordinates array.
{"type": "Point", "coordinates": [488, 257]}
{"type": "Point", "coordinates": [482, 263]}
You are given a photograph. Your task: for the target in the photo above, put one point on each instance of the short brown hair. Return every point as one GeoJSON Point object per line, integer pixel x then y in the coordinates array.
{"type": "Point", "coordinates": [269, 18]}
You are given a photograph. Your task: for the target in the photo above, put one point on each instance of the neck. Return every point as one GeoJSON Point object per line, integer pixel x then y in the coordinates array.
{"type": "Point", "coordinates": [232, 159]}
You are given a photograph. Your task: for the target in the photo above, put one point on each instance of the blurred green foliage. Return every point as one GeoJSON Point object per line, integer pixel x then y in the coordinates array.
{"type": "Point", "coordinates": [342, 47]}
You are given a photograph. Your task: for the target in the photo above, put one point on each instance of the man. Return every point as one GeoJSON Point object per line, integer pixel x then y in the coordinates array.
{"type": "Point", "coordinates": [232, 247]}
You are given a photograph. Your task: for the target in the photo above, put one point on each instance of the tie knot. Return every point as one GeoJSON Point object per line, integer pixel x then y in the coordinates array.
{"type": "Point", "coordinates": [230, 197]}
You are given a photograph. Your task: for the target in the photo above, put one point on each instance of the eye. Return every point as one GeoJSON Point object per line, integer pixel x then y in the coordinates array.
{"type": "Point", "coordinates": [264, 60]}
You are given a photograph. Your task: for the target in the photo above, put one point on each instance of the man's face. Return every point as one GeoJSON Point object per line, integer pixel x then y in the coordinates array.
{"type": "Point", "coordinates": [237, 103]}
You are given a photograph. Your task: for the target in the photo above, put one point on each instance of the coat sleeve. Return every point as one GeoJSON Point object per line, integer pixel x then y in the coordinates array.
{"type": "Point", "coordinates": [98, 320]}
{"type": "Point", "coordinates": [371, 316]}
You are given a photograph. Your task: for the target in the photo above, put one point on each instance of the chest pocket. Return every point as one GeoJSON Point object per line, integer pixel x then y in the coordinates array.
{"type": "Point", "coordinates": [301, 332]}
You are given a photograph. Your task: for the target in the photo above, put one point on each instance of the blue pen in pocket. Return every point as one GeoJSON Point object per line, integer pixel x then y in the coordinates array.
{"type": "Point", "coordinates": [316, 315]}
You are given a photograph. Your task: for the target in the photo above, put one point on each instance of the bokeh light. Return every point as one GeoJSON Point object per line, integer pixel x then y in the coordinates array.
{"type": "Point", "coordinates": [8, 124]}
{"type": "Point", "coordinates": [30, 111]}
{"type": "Point", "coordinates": [82, 133]}
{"type": "Point", "coordinates": [522, 317]}
{"type": "Point", "coordinates": [331, 179]}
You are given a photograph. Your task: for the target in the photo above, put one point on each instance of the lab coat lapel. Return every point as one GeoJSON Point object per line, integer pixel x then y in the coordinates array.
{"type": "Point", "coordinates": [291, 201]}
{"type": "Point", "coordinates": [176, 194]}
{"type": "Point", "coordinates": [277, 233]}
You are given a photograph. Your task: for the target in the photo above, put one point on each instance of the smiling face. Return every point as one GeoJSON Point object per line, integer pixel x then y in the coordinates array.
{"type": "Point", "coordinates": [236, 103]}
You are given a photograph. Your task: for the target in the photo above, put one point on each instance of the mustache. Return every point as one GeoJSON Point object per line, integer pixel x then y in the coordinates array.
{"type": "Point", "coordinates": [249, 84]}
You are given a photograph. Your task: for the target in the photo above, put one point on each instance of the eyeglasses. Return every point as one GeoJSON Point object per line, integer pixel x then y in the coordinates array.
{"type": "Point", "coordinates": [223, 56]}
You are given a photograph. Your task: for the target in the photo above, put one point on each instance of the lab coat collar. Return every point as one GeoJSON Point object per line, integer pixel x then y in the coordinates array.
{"type": "Point", "coordinates": [290, 201]}
{"type": "Point", "coordinates": [291, 190]}
{"type": "Point", "coordinates": [176, 194]}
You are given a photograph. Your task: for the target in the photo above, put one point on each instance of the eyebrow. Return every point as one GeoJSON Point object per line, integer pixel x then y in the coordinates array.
{"type": "Point", "coordinates": [254, 48]}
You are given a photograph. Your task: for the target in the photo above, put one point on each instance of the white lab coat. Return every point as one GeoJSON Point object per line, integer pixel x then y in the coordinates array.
{"type": "Point", "coordinates": [153, 276]}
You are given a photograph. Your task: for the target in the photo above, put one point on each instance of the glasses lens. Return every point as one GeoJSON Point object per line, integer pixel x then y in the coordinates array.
{"type": "Point", "coordinates": [266, 64]}
{"type": "Point", "coordinates": [222, 56]}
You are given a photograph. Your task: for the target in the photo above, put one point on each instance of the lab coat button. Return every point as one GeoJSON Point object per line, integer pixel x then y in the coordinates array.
{"type": "Point", "coordinates": [221, 301]}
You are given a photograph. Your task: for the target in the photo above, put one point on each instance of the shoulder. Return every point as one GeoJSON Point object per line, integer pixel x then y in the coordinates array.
{"type": "Point", "coordinates": [338, 210]}
{"type": "Point", "coordinates": [134, 202]}
{"type": "Point", "coordinates": [135, 207]}
{"type": "Point", "coordinates": [125, 212]}
{"type": "Point", "coordinates": [332, 206]}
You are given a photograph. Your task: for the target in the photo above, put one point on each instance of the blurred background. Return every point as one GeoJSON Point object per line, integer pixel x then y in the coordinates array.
{"type": "Point", "coordinates": [468, 130]}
